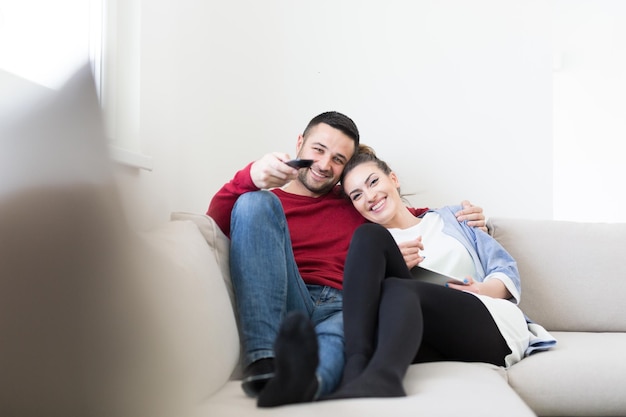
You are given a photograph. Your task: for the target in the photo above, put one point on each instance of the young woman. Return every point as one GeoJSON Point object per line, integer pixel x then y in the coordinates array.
{"type": "Point", "coordinates": [391, 319]}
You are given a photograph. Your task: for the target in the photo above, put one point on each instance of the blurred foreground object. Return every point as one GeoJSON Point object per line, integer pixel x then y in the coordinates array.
{"type": "Point", "coordinates": [78, 334]}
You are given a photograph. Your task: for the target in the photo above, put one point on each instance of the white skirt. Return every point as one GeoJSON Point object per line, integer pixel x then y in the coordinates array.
{"type": "Point", "coordinates": [512, 324]}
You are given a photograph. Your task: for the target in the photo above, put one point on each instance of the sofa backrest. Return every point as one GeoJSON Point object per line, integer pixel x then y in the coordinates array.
{"type": "Point", "coordinates": [217, 241]}
{"type": "Point", "coordinates": [573, 274]}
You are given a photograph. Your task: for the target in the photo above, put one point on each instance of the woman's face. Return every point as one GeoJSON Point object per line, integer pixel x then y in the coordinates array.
{"type": "Point", "coordinates": [373, 193]}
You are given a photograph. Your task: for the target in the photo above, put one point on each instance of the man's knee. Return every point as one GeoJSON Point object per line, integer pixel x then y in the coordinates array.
{"type": "Point", "coordinates": [256, 204]}
{"type": "Point", "coordinates": [256, 199]}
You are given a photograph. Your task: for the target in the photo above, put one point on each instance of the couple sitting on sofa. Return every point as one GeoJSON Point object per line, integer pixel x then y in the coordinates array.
{"type": "Point", "coordinates": [288, 249]}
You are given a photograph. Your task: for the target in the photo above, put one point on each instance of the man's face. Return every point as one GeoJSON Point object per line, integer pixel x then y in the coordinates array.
{"type": "Point", "coordinates": [330, 149]}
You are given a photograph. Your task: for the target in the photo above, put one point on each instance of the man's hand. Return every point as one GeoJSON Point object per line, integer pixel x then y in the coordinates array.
{"type": "Point", "coordinates": [411, 251]}
{"type": "Point", "coordinates": [473, 214]}
{"type": "Point", "coordinates": [271, 171]}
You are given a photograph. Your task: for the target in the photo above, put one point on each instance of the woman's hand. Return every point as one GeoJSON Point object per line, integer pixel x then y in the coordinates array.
{"type": "Point", "coordinates": [469, 286]}
{"type": "Point", "coordinates": [411, 252]}
{"type": "Point", "coordinates": [494, 288]}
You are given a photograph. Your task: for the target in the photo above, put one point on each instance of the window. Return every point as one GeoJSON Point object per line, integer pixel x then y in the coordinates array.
{"type": "Point", "coordinates": [45, 42]}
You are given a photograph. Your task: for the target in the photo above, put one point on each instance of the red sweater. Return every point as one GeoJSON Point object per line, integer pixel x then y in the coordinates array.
{"type": "Point", "coordinates": [320, 227]}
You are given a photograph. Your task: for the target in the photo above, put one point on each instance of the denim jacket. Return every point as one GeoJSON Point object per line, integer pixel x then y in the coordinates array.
{"type": "Point", "coordinates": [491, 260]}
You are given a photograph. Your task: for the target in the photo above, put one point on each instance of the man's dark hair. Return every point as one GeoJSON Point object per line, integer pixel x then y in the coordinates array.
{"type": "Point", "coordinates": [338, 121]}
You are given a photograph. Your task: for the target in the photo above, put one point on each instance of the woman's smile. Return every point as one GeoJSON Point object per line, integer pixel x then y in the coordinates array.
{"type": "Point", "coordinates": [379, 205]}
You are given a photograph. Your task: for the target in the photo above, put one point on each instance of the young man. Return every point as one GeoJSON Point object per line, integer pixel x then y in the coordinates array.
{"type": "Point", "coordinates": [288, 247]}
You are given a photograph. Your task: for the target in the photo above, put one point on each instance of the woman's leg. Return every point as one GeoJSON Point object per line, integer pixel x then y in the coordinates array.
{"type": "Point", "coordinates": [458, 326]}
{"type": "Point", "coordinates": [373, 256]}
{"type": "Point", "coordinates": [398, 339]}
{"type": "Point", "coordinates": [380, 342]}
{"type": "Point", "coordinates": [452, 324]}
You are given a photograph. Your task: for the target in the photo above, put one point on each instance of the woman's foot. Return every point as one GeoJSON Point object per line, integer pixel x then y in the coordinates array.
{"type": "Point", "coordinates": [370, 384]}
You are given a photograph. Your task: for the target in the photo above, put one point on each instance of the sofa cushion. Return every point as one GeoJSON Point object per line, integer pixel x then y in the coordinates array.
{"type": "Point", "coordinates": [434, 389]}
{"type": "Point", "coordinates": [573, 277]}
{"type": "Point", "coordinates": [195, 308]}
{"type": "Point", "coordinates": [220, 245]}
{"type": "Point", "coordinates": [582, 376]}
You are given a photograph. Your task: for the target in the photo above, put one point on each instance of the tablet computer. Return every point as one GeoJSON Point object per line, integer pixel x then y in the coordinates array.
{"type": "Point", "coordinates": [429, 275]}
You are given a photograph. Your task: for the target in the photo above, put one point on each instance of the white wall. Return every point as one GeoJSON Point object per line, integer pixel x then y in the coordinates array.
{"type": "Point", "coordinates": [589, 109]}
{"type": "Point", "coordinates": [456, 95]}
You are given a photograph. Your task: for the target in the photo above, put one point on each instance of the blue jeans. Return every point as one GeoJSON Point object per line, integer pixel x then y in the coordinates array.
{"type": "Point", "coordinates": [267, 285]}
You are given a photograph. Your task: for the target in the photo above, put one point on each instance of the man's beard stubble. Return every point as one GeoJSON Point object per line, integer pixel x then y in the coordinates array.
{"type": "Point", "coordinates": [321, 190]}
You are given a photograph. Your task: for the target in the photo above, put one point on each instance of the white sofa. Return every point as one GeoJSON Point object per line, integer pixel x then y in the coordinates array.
{"type": "Point", "coordinates": [574, 283]}
{"type": "Point", "coordinates": [146, 327]}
